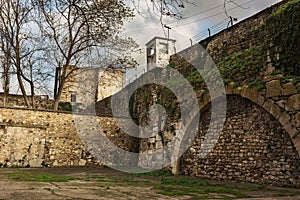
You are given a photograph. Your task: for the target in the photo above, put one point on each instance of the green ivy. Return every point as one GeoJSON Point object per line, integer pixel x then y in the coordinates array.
{"type": "Point", "coordinates": [284, 28]}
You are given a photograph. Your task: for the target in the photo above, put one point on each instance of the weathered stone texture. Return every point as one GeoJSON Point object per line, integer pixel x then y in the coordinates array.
{"type": "Point", "coordinates": [288, 89]}
{"type": "Point", "coordinates": [273, 88]}
{"type": "Point", "coordinates": [41, 101]}
{"type": "Point", "coordinates": [252, 147]}
{"type": "Point", "coordinates": [40, 138]}
{"type": "Point", "coordinates": [293, 103]}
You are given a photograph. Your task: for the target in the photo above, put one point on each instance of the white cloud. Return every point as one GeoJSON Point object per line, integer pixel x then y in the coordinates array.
{"type": "Point", "coordinates": [199, 18]}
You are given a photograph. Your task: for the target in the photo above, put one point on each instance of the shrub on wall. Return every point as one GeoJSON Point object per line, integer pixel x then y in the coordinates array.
{"type": "Point", "coordinates": [284, 28]}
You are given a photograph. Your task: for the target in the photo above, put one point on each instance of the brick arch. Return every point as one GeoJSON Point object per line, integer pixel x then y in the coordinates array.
{"type": "Point", "coordinates": [287, 118]}
{"type": "Point", "coordinates": [249, 128]}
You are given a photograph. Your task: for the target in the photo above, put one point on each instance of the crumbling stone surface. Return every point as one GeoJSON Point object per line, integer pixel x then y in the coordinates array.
{"type": "Point", "coordinates": [252, 147]}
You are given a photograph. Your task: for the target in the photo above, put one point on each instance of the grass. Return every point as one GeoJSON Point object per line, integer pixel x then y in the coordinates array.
{"type": "Point", "coordinates": [181, 186]}
{"type": "Point", "coordinates": [160, 182]}
{"type": "Point", "coordinates": [284, 195]}
{"type": "Point", "coordinates": [258, 84]}
{"type": "Point", "coordinates": [39, 177]}
{"type": "Point", "coordinates": [157, 173]}
{"type": "Point", "coordinates": [184, 182]}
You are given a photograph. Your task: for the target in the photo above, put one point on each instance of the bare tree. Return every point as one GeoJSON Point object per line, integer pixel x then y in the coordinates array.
{"type": "Point", "coordinates": [5, 60]}
{"type": "Point", "coordinates": [76, 28]}
{"type": "Point", "coordinates": [171, 8]}
{"type": "Point", "coordinates": [16, 23]}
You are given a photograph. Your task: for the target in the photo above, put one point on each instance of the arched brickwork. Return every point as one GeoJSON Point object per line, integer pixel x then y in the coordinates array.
{"type": "Point", "coordinates": [252, 147]}
{"type": "Point", "coordinates": [282, 101]}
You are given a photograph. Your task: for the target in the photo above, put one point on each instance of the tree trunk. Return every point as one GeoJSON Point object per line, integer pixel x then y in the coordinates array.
{"type": "Point", "coordinates": [19, 76]}
{"type": "Point", "coordinates": [5, 91]}
{"type": "Point", "coordinates": [6, 66]}
{"type": "Point", "coordinates": [5, 83]}
{"type": "Point", "coordinates": [61, 83]}
{"type": "Point", "coordinates": [32, 94]}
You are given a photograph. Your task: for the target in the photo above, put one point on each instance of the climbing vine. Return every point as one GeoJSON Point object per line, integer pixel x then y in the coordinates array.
{"type": "Point", "coordinates": [284, 28]}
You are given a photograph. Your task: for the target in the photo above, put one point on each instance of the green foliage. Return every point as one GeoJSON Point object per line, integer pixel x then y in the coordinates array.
{"type": "Point", "coordinates": [286, 79]}
{"type": "Point", "coordinates": [38, 177]}
{"type": "Point", "coordinates": [284, 26]}
{"type": "Point", "coordinates": [258, 84]}
{"type": "Point", "coordinates": [243, 67]}
{"type": "Point", "coordinates": [181, 186]}
{"type": "Point", "coordinates": [227, 80]}
{"type": "Point", "coordinates": [157, 173]}
{"type": "Point", "coordinates": [184, 182]}
{"type": "Point", "coordinates": [65, 106]}
{"type": "Point", "coordinates": [69, 107]}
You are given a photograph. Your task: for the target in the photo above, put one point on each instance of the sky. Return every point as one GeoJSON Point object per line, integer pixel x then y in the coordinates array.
{"type": "Point", "coordinates": [197, 18]}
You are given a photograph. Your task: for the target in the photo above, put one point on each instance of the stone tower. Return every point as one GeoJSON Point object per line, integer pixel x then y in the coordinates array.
{"type": "Point", "coordinates": [159, 51]}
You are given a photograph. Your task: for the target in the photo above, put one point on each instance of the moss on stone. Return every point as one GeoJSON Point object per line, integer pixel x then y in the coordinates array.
{"type": "Point", "coordinates": [243, 67]}
{"type": "Point", "coordinates": [283, 28]}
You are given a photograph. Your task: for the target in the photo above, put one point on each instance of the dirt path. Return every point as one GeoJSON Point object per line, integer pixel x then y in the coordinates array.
{"type": "Point", "coordinates": [105, 183]}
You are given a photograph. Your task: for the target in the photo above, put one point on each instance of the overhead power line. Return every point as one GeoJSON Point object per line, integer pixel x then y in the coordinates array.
{"type": "Point", "coordinates": [199, 13]}
{"type": "Point", "coordinates": [201, 19]}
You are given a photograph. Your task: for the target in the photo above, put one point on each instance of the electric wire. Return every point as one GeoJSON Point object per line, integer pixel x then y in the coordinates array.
{"type": "Point", "coordinates": [216, 14]}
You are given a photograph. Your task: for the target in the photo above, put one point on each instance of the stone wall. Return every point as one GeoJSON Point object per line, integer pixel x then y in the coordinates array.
{"type": "Point", "coordinates": [261, 139]}
{"type": "Point", "coordinates": [88, 85]}
{"type": "Point", "coordinates": [252, 147]}
{"type": "Point", "coordinates": [40, 138]}
{"type": "Point", "coordinates": [243, 35]}
{"type": "Point", "coordinates": [15, 100]}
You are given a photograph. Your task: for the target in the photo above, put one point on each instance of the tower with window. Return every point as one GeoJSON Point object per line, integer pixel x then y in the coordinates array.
{"type": "Point", "coordinates": [159, 51]}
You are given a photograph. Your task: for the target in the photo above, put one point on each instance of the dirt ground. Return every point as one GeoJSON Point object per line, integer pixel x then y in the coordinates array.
{"type": "Point", "coordinates": [105, 183]}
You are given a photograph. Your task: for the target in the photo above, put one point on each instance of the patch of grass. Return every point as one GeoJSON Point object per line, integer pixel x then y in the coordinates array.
{"type": "Point", "coordinates": [177, 186]}
{"type": "Point", "coordinates": [258, 84]}
{"type": "Point", "coordinates": [227, 80]}
{"type": "Point", "coordinates": [285, 195]}
{"type": "Point", "coordinates": [244, 66]}
{"type": "Point", "coordinates": [175, 191]}
{"type": "Point", "coordinates": [39, 177]}
{"type": "Point", "coordinates": [202, 192]}
{"type": "Point", "coordinates": [222, 190]}
{"type": "Point", "coordinates": [157, 173]}
{"type": "Point", "coordinates": [185, 182]}
{"type": "Point", "coordinates": [252, 188]}
{"type": "Point", "coordinates": [276, 72]}
{"type": "Point", "coordinates": [95, 177]}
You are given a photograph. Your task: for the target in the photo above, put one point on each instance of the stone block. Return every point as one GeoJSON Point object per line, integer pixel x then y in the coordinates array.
{"type": "Point", "coordinates": [273, 88]}
{"type": "Point", "coordinates": [268, 104]}
{"type": "Point", "coordinates": [292, 131]}
{"type": "Point", "coordinates": [237, 90]}
{"type": "Point", "coordinates": [229, 88]}
{"type": "Point", "coordinates": [36, 162]}
{"type": "Point", "coordinates": [272, 77]}
{"type": "Point", "coordinates": [249, 93]}
{"type": "Point", "coordinates": [260, 100]}
{"type": "Point", "coordinates": [205, 100]}
{"type": "Point", "coordinates": [281, 104]}
{"type": "Point", "coordinates": [275, 111]}
{"type": "Point", "coordinates": [298, 86]}
{"type": "Point", "coordinates": [293, 103]}
{"type": "Point", "coordinates": [296, 142]}
{"type": "Point", "coordinates": [288, 89]}
{"type": "Point", "coordinates": [82, 162]}
{"type": "Point", "coordinates": [284, 118]}
{"type": "Point", "coordinates": [297, 119]}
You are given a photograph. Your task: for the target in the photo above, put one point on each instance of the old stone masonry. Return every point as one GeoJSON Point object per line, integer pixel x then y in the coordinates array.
{"type": "Point", "coordinates": [260, 139]}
